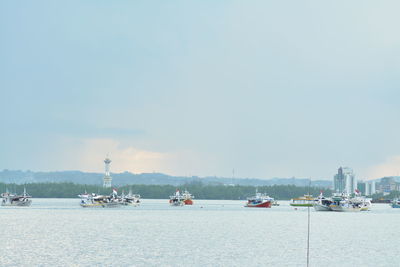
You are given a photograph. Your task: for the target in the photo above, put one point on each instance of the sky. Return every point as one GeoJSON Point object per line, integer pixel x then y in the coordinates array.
{"type": "Point", "coordinates": [267, 88]}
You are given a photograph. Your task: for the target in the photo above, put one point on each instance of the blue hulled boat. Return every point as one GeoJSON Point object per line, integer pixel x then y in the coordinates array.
{"type": "Point", "coordinates": [395, 203]}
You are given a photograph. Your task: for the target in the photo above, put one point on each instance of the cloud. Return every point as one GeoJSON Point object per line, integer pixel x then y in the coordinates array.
{"type": "Point", "coordinates": [93, 152]}
{"type": "Point", "coordinates": [128, 158]}
{"type": "Point", "coordinates": [390, 167]}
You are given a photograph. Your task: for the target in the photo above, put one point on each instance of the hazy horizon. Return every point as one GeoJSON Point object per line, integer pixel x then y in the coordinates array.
{"type": "Point", "coordinates": [201, 88]}
{"type": "Point", "coordinates": [187, 176]}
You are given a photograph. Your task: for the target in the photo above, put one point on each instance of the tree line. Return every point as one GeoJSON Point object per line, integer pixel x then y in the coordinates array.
{"type": "Point", "coordinates": [198, 189]}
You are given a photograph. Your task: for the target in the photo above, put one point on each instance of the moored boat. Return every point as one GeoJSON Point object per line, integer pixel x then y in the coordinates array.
{"type": "Point", "coordinates": [101, 201]}
{"type": "Point", "coordinates": [395, 203]}
{"type": "Point", "coordinates": [259, 201]}
{"type": "Point", "coordinates": [187, 198]}
{"type": "Point", "coordinates": [322, 203]}
{"type": "Point", "coordinates": [345, 205]}
{"type": "Point", "coordinates": [16, 200]}
{"type": "Point", "coordinates": [364, 202]}
{"type": "Point", "coordinates": [176, 199]}
{"type": "Point", "coordinates": [304, 201]}
{"type": "Point", "coordinates": [131, 199]}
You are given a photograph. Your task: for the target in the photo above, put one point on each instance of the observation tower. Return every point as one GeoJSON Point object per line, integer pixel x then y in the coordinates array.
{"type": "Point", "coordinates": [107, 177]}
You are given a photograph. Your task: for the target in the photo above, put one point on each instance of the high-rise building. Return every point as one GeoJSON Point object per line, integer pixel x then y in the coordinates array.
{"type": "Point", "coordinates": [345, 181]}
{"type": "Point", "coordinates": [373, 188]}
{"type": "Point", "coordinates": [370, 188]}
{"type": "Point", "coordinates": [107, 177]}
{"type": "Point", "coordinates": [367, 188]}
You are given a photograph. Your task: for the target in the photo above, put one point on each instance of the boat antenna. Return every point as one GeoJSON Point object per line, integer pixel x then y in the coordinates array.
{"type": "Point", "coordinates": [308, 226]}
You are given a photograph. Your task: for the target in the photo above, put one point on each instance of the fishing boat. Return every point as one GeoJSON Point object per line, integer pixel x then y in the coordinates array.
{"type": "Point", "coordinates": [259, 201]}
{"type": "Point", "coordinates": [187, 198]}
{"type": "Point", "coordinates": [365, 203]}
{"type": "Point", "coordinates": [344, 203]}
{"type": "Point", "coordinates": [322, 203]}
{"type": "Point", "coordinates": [92, 200]}
{"type": "Point", "coordinates": [131, 199]}
{"type": "Point", "coordinates": [176, 199]}
{"type": "Point", "coordinates": [304, 201]}
{"type": "Point", "coordinates": [395, 203]}
{"type": "Point", "coordinates": [100, 201]}
{"type": "Point", "coordinates": [16, 200]}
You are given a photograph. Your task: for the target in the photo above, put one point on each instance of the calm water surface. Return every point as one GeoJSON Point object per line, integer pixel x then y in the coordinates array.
{"type": "Point", "coordinates": [58, 232]}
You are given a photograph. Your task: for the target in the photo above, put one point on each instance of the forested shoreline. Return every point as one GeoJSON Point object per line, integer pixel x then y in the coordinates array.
{"type": "Point", "coordinates": [199, 190]}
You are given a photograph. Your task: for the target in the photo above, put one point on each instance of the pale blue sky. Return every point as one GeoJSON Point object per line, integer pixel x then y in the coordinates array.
{"type": "Point", "coordinates": [272, 89]}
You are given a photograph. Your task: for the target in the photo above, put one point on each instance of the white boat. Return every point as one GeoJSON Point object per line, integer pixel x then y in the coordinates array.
{"type": "Point", "coordinates": [16, 200]}
{"type": "Point", "coordinates": [364, 202]}
{"type": "Point", "coordinates": [322, 203]}
{"type": "Point", "coordinates": [101, 201]}
{"type": "Point", "coordinates": [131, 199]}
{"type": "Point", "coordinates": [345, 206]}
{"type": "Point", "coordinates": [91, 201]}
{"type": "Point", "coordinates": [177, 199]}
{"type": "Point", "coordinates": [344, 203]}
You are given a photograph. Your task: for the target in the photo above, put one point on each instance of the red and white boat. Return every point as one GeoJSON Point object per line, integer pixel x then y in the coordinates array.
{"type": "Point", "coordinates": [181, 199]}
{"type": "Point", "coordinates": [187, 198]}
{"type": "Point", "coordinates": [259, 201]}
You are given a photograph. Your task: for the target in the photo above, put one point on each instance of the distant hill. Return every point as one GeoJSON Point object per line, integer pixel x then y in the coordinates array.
{"type": "Point", "coordinates": [125, 178]}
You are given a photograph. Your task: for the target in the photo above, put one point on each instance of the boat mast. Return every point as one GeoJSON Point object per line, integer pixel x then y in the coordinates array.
{"type": "Point", "coordinates": [308, 228]}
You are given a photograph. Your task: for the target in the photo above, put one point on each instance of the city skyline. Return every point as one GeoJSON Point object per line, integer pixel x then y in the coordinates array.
{"type": "Point", "coordinates": [201, 88]}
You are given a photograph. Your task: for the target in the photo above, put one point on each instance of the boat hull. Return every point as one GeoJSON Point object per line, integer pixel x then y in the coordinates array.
{"type": "Point", "coordinates": [319, 207]}
{"type": "Point", "coordinates": [267, 204]}
{"type": "Point", "coordinates": [344, 209]}
{"type": "Point", "coordinates": [188, 202]}
{"type": "Point", "coordinates": [173, 202]}
{"type": "Point", "coordinates": [101, 205]}
{"type": "Point", "coordinates": [131, 204]}
{"type": "Point", "coordinates": [18, 204]}
{"type": "Point", "coordinates": [176, 203]}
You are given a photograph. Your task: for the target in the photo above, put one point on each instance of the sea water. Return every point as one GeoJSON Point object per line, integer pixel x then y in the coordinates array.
{"type": "Point", "coordinates": [58, 232]}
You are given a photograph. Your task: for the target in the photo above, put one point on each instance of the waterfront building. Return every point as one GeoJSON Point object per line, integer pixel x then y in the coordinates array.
{"type": "Point", "coordinates": [107, 177]}
{"type": "Point", "coordinates": [373, 188]}
{"type": "Point", "coordinates": [345, 181]}
{"type": "Point", "coordinates": [388, 184]}
{"type": "Point", "coordinates": [370, 188]}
